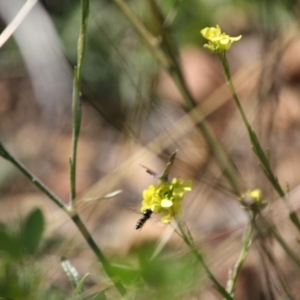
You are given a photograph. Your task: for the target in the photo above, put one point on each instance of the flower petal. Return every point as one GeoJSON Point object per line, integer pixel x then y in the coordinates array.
{"type": "Point", "coordinates": [218, 41]}
{"type": "Point", "coordinates": [166, 203]}
{"type": "Point", "coordinates": [166, 219]}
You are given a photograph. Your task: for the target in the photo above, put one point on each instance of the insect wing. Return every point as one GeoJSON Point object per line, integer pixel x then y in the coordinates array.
{"type": "Point", "coordinates": [151, 172]}
{"type": "Point", "coordinates": [166, 172]}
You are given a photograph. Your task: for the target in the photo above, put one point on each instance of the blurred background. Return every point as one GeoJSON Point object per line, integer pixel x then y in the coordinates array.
{"type": "Point", "coordinates": [133, 115]}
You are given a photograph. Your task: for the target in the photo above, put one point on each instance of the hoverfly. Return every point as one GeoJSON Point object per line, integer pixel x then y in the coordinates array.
{"type": "Point", "coordinates": [164, 176]}
{"type": "Point", "coordinates": [146, 216]}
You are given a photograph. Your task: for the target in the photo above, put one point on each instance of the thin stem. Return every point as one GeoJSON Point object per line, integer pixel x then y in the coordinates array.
{"type": "Point", "coordinates": [105, 263]}
{"type": "Point", "coordinates": [76, 109]}
{"type": "Point", "coordinates": [257, 149]}
{"type": "Point", "coordinates": [76, 105]}
{"type": "Point", "coordinates": [247, 241]}
{"type": "Point", "coordinates": [223, 59]}
{"type": "Point", "coordinates": [264, 160]}
{"type": "Point", "coordinates": [172, 67]}
{"type": "Point", "coordinates": [40, 185]}
{"type": "Point", "coordinates": [186, 236]}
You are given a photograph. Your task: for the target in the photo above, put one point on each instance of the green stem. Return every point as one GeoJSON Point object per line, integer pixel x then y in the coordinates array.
{"type": "Point", "coordinates": [40, 185]}
{"type": "Point", "coordinates": [223, 59]}
{"type": "Point", "coordinates": [253, 138]}
{"type": "Point", "coordinates": [105, 263]}
{"type": "Point", "coordinates": [189, 242]}
{"type": "Point", "coordinates": [257, 149]}
{"type": "Point", "coordinates": [172, 67]}
{"type": "Point", "coordinates": [231, 284]}
{"type": "Point", "coordinates": [76, 105]}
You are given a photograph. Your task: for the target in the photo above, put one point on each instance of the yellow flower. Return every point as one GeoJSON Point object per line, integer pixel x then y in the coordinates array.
{"type": "Point", "coordinates": [253, 199]}
{"type": "Point", "coordinates": [166, 198]}
{"type": "Point", "coordinates": [217, 41]}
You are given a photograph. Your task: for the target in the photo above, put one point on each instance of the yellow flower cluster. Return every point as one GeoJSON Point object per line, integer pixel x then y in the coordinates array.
{"type": "Point", "coordinates": [218, 41]}
{"type": "Point", "coordinates": [166, 197]}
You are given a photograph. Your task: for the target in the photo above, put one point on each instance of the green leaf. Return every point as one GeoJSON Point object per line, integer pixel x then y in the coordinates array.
{"type": "Point", "coordinates": [32, 230]}
{"type": "Point", "coordinates": [9, 244]}
{"type": "Point", "coordinates": [70, 271]}
{"type": "Point", "coordinates": [79, 288]}
{"type": "Point", "coordinates": [100, 296]}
